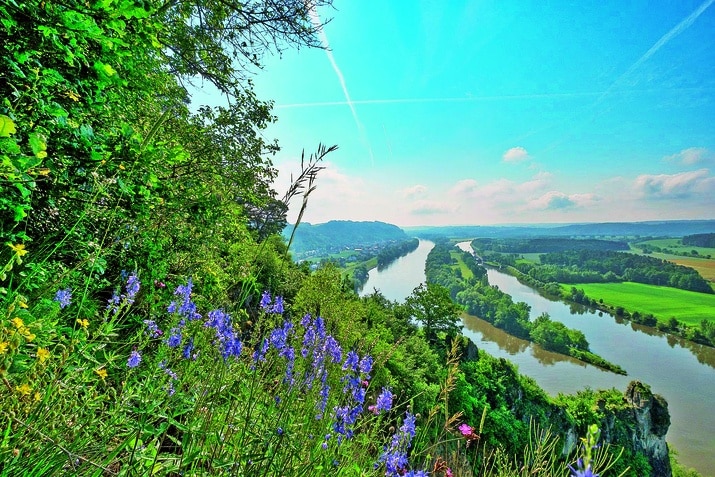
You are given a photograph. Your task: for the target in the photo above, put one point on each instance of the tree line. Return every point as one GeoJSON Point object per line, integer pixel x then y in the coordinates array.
{"type": "Point", "coordinates": [498, 308]}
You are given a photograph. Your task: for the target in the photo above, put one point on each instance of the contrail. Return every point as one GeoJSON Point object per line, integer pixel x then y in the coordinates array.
{"type": "Point", "coordinates": [467, 99]}
{"type": "Point", "coordinates": [675, 31]}
{"type": "Point", "coordinates": [315, 20]}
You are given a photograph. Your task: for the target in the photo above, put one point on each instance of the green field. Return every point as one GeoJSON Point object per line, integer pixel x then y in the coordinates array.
{"type": "Point", "coordinates": [662, 302]}
{"type": "Point", "coordinates": [676, 246]}
{"type": "Point", "coordinates": [466, 272]}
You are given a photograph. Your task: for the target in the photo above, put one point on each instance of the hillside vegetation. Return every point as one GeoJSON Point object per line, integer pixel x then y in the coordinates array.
{"type": "Point", "coordinates": [152, 319]}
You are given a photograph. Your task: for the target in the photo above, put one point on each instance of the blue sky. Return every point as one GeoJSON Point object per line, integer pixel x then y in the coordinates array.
{"type": "Point", "coordinates": [488, 112]}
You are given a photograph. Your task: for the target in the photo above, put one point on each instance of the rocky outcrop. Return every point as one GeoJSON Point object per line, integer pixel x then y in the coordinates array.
{"type": "Point", "coordinates": [652, 419]}
{"type": "Point", "coordinates": [641, 424]}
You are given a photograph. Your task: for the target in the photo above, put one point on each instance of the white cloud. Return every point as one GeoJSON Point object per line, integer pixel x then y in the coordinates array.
{"type": "Point", "coordinates": [690, 156]}
{"type": "Point", "coordinates": [515, 154]}
{"type": "Point", "coordinates": [675, 186]}
{"type": "Point", "coordinates": [555, 200]}
{"type": "Point", "coordinates": [464, 187]}
{"type": "Point", "coordinates": [417, 190]}
{"type": "Point", "coordinates": [430, 207]}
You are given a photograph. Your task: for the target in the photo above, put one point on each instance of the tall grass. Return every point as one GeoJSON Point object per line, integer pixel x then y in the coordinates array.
{"type": "Point", "coordinates": [172, 389]}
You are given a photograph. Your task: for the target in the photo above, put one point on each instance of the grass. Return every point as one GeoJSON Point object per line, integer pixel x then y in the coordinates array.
{"type": "Point", "coordinates": [662, 302]}
{"type": "Point", "coordinates": [531, 257]}
{"type": "Point", "coordinates": [466, 272]}
{"type": "Point", "coordinates": [676, 245]}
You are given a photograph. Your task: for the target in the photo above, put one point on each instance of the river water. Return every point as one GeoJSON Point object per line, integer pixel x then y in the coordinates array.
{"type": "Point", "coordinates": [683, 372]}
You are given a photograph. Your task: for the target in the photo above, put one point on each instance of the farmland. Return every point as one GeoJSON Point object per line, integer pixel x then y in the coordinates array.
{"type": "Point", "coordinates": [662, 302]}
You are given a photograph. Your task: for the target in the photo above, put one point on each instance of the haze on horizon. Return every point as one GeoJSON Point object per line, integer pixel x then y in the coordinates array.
{"type": "Point", "coordinates": [502, 112]}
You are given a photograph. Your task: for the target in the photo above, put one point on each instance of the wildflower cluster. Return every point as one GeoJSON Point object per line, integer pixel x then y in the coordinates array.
{"type": "Point", "coordinates": [185, 307]}
{"type": "Point", "coordinates": [131, 289]}
{"type": "Point", "coordinates": [394, 456]}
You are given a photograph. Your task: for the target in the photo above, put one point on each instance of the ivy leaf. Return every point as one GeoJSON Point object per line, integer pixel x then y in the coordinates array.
{"type": "Point", "coordinates": [7, 126]}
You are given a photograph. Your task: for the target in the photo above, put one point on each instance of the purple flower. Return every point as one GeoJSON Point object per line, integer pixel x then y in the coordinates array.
{"type": "Point", "coordinates": [351, 361]}
{"type": "Point", "coordinates": [152, 328]}
{"type": "Point", "coordinates": [277, 307]}
{"type": "Point", "coordinates": [134, 359]}
{"type": "Point", "coordinates": [113, 303]}
{"type": "Point", "coordinates": [580, 471]}
{"type": "Point", "coordinates": [384, 401]}
{"type": "Point", "coordinates": [133, 285]}
{"type": "Point", "coordinates": [186, 308]}
{"type": "Point", "coordinates": [332, 347]}
{"type": "Point", "coordinates": [265, 300]}
{"type": "Point", "coordinates": [64, 297]}
{"type": "Point", "coordinates": [188, 349]}
{"type": "Point", "coordinates": [174, 338]}
{"type": "Point", "coordinates": [260, 353]}
{"type": "Point", "coordinates": [366, 364]}
{"type": "Point", "coordinates": [395, 455]}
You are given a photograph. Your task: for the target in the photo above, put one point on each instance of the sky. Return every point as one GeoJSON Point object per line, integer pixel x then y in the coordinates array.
{"type": "Point", "coordinates": [452, 112]}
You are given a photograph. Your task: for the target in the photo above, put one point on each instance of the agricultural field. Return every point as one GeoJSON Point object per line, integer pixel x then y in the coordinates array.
{"type": "Point", "coordinates": [531, 257]}
{"type": "Point", "coordinates": [662, 302]}
{"type": "Point", "coordinates": [704, 266]}
{"type": "Point", "coordinates": [466, 272]}
{"type": "Point", "coordinates": [675, 246]}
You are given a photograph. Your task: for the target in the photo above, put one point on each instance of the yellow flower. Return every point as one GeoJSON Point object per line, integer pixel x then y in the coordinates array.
{"type": "Point", "coordinates": [29, 336]}
{"type": "Point", "coordinates": [121, 167]}
{"type": "Point", "coordinates": [23, 304]}
{"type": "Point", "coordinates": [43, 354]}
{"type": "Point", "coordinates": [84, 322]}
{"type": "Point", "coordinates": [38, 396]}
{"type": "Point", "coordinates": [25, 389]}
{"type": "Point", "coordinates": [101, 372]}
{"type": "Point", "coordinates": [17, 321]}
{"type": "Point", "coordinates": [72, 95]}
{"type": "Point", "coordinates": [19, 249]}
{"type": "Point", "coordinates": [3, 347]}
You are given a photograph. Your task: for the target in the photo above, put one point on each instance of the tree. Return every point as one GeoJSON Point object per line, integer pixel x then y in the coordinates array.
{"type": "Point", "coordinates": [431, 306]}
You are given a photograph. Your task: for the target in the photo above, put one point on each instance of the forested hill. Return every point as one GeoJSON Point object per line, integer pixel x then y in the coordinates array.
{"type": "Point", "coordinates": [666, 228]}
{"type": "Point", "coordinates": [337, 235]}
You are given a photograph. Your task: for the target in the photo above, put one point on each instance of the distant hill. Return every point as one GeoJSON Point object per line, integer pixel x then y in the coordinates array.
{"type": "Point", "coordinates": [337, 235]}
{"type": "Point", "coordinates": [666, 228]}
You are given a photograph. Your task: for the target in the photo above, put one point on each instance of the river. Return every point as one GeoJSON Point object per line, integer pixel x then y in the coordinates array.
{"type": "Point", "coordinates": [683, 372]}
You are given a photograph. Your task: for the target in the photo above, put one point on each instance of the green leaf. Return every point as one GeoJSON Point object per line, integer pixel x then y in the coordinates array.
{"type": "Point", "coordinates": [7, 126]}
{"type": "Point", "coordinates": [38, 145]}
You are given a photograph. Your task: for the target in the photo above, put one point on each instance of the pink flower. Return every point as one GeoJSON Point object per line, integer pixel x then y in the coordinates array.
{"type": "Point", "coordinates": [466, 429]}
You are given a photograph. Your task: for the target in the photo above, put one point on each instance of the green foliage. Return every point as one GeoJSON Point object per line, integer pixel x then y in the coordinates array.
{"type": "Point", "coordinates": [431, 306]}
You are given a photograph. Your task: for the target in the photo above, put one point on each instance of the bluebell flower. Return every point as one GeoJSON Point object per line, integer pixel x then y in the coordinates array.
{"type": "Point", "coordinates": [133, 285]}
{"type": "Point", "coordinates": [152, 329]}
{"type": "Point", "coordinates": [64, 297]}
{"type": "Point", "coordinates": [366, 364]}
{"type": "Point", "coordinates": [134, 359]}
{"type": "Point", "coordinates": [384, 400]}
{"type": "Point", "coordinates": [395, 455]}
{"type": "Point", "coordinates": [174, 338]}
{"type": "Point", "coordinates": [188, 349]}
{"type": "Point", "coordinates": [277, 307]}
{"type": "Point", "coordinates": [113, 303]}
{"type": "Point", "coordinates": [186, 307]}
{"type": "Point", "coordinates": [306, 321]}
{"type": "Point", "coordinates": [265, 300]}
{"type": "Point", "coordinates": [260, 353]}
{"type": "Point", "coordinates": [351, 361]}
{"type": "Point", "coordinates": [580, 471]}
{"type": "Point", "coordinates": [332, 348]}
{"type": "Point", "coordinates": [320, 405]}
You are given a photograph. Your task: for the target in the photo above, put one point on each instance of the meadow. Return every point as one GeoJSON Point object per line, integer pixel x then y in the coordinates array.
{"type": "Point", "coordinates": [662, 302]}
